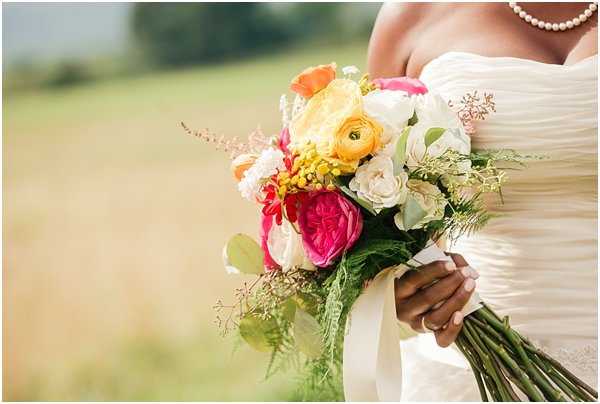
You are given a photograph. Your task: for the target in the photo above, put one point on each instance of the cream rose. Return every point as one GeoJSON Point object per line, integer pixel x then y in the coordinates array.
{"type": "Point", "coordinates": [430, 198]}
{"type": "Point", "coordinates": [416, 149]}
{"type": "Point", "coordinates": [392, 110]}
{"type": "Point", "coordinates": [434, 110]}
{"type": "Point", "coordinates": [376, 183]}
{"type": "Point", "coordinates": [285, 247]}
{"type": "Point", "coordinates": [323, 116]}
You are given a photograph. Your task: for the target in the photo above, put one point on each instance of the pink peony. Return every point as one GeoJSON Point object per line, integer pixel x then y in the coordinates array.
{"type": "Point", "coordinates": [411, 86]}
{"type": "Point", "coordinates": [330, 225]}
{"type": "Point", "coordinates": [266, 223]}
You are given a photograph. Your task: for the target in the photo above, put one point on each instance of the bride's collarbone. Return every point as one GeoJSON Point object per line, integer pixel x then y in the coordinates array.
{"type": "Point", "coordinates": [506, 38]}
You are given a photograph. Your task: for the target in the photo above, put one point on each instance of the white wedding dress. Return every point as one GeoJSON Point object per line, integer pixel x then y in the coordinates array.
{"type": "Point", "coordinates": [539, 264]}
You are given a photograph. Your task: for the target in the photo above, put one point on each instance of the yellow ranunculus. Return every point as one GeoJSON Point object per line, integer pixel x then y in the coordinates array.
{"type": "Point", "coordinates": [323, 117]}
{"type": "Point", "coordinates": [357, 137]}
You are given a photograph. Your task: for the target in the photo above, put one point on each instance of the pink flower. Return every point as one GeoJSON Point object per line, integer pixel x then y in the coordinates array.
{"type": "Point", "coordinates": [330, 225]}
{"type": "Point", "coordinates": [284, 140]}
{"type": "Point", "coordinates": [266, 223]}
{"type": "Point", "coordinates": [411, 86]}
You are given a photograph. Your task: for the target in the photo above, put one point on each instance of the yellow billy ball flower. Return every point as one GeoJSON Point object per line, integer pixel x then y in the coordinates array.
{"type": "Point", "coordinates": [356, 138]}
{"type": "Point", "coordinates": [323, 169]}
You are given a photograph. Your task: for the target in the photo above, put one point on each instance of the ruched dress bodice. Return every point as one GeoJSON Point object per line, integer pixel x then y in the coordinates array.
{"type": "Point", "coordinates": [539, 263]}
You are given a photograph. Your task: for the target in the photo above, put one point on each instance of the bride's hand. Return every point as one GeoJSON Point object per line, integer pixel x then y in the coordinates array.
{"type": "Point", "coordinates": [417, 297]}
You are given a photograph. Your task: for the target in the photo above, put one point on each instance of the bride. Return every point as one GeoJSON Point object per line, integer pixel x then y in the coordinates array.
{"type": "Point", "coordinates": [539, 263]}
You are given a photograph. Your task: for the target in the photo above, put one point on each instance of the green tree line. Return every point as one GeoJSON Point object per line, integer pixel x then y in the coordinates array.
{"type": "Point", "coordinates": [175, 34]}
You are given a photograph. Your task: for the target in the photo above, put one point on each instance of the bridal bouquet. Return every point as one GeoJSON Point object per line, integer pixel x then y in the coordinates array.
{"type": "Point", "coordinates": [363, 179]}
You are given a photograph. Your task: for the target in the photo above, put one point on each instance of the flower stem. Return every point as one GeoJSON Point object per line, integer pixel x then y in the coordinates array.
{"type": "Point", "coordinates": [485, 357]}
{"type": "Point", "coordinates": [460, 342]}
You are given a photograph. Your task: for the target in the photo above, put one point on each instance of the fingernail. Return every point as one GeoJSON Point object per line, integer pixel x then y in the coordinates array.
{"type": "Point", "coordinates": [469, 284]}
{"type": "Point", "coordinates": [450, 265]}
{"type": "Point", "coordinates": [458, 316]}
{"type": "Point", "coordinates": [469, 272]}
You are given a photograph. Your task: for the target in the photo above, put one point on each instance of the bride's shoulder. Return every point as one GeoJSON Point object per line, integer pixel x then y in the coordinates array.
{"type": "Point", "coordinates": [397, 30]}
{"type": "Point", "coordinates": [387, 48]}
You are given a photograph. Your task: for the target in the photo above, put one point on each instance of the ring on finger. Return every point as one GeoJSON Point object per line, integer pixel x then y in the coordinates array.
{"type": "Point", "coordinates": [424, 327]}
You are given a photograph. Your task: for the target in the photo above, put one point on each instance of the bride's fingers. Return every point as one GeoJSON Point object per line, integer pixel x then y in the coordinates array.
{"type": "Point", "coordinates": [445, 337]}
{"type": "Point", "coordinates": [414, 280]}
{"type": "Point", "coordinates": [425, 299]}
{"type": "Point", "coordinates": [458, 260]}
{"type": "Point", "coordinates": [439, 317]}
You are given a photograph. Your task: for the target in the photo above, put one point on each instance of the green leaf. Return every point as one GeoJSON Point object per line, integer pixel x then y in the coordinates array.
{"type": "Point", "coordinates": [413, 213]}
{"type": "Point", "coordinates": [432, 135]}
{"type": "Point", "coordinates": [289, 309]}
{"type": "Point", "coordinates": [356, 199]}
{"type": "Point", "coordinates": [401, 151]}
{"type": "Point", "coordinates": [245, 254]}
{"type": "Point", "coordinates": [307, 302]}
{"type": "Point", "coordinates": [259, 333]}
{"type": "Point", "coordinates": [307, 334]}
{"type": "Point", "coordinates": [413, 120]}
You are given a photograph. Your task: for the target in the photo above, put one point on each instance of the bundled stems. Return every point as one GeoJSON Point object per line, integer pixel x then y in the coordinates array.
{"type": "Point", "coordinates": [506, 364]}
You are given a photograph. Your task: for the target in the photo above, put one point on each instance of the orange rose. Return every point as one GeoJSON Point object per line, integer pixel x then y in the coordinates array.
{"type": "Point", "coordinates": [313, 79]}
{"type": "Point", "coordinates": [241, 164]}
{"type": "Point", "coordinates": [357, 137]}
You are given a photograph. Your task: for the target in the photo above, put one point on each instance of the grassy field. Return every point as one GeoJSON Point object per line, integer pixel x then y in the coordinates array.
{"type": "Point", "coordinates": [113, 224]}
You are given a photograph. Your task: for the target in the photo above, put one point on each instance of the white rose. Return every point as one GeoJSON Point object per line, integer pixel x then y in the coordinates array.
{"type": "Point", "coordinates": [415, 144]}
{"type": "Point", "coordinates": [285, 247]}
{"type": "Point", "coordinates": [392, 110]}
{"type": "Point", "coordinates": [376, 183]}
{"type": "Point", "coordinates": [433, 109]}
{"type": "Point", "coordinates": [429, 197]}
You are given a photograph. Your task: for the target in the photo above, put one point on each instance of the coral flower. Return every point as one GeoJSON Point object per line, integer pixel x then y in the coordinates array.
{"type": "Point", "coordinates": [241, 164]}
{"type": "Point", "coordinates": [313, 79]}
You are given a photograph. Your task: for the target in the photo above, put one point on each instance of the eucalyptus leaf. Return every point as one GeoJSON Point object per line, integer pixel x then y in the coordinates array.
{"type": "Point", "coordinates": [356, 199]}
{"type": "Point", "coordinates": [245, 254]}
{"type": "Point", "coordinates": [307, 334]}
{"type": "Point", "coordinates": [413, 212]}
{"type": "Point", "coordinates": [400, 159]}
{"type": "Point", "coordinates": [289, 309]}
{"type": "Point", "coordinates": [258, 332]}
{"type": "Point", "coordinates": [432, 135]}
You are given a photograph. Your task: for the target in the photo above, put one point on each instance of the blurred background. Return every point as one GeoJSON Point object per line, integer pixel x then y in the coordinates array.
{"type": "Point", "coordinates": [113, 217]}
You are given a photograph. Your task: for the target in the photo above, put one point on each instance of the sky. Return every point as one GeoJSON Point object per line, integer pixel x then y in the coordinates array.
{"type": "Point", "coordinates": [49, 32]}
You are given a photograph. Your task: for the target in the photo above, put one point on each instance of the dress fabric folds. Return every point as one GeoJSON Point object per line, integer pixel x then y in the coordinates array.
{"type": "Point", "coordinates": [539, 263]}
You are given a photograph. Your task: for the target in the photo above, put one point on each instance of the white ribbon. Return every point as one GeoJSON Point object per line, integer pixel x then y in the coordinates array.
{"type": "Point", "coordinates": [372, 361]}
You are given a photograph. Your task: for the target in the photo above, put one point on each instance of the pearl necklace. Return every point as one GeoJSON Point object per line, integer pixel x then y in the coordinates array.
{"type": "Point", "coordinates": [563, 26]}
